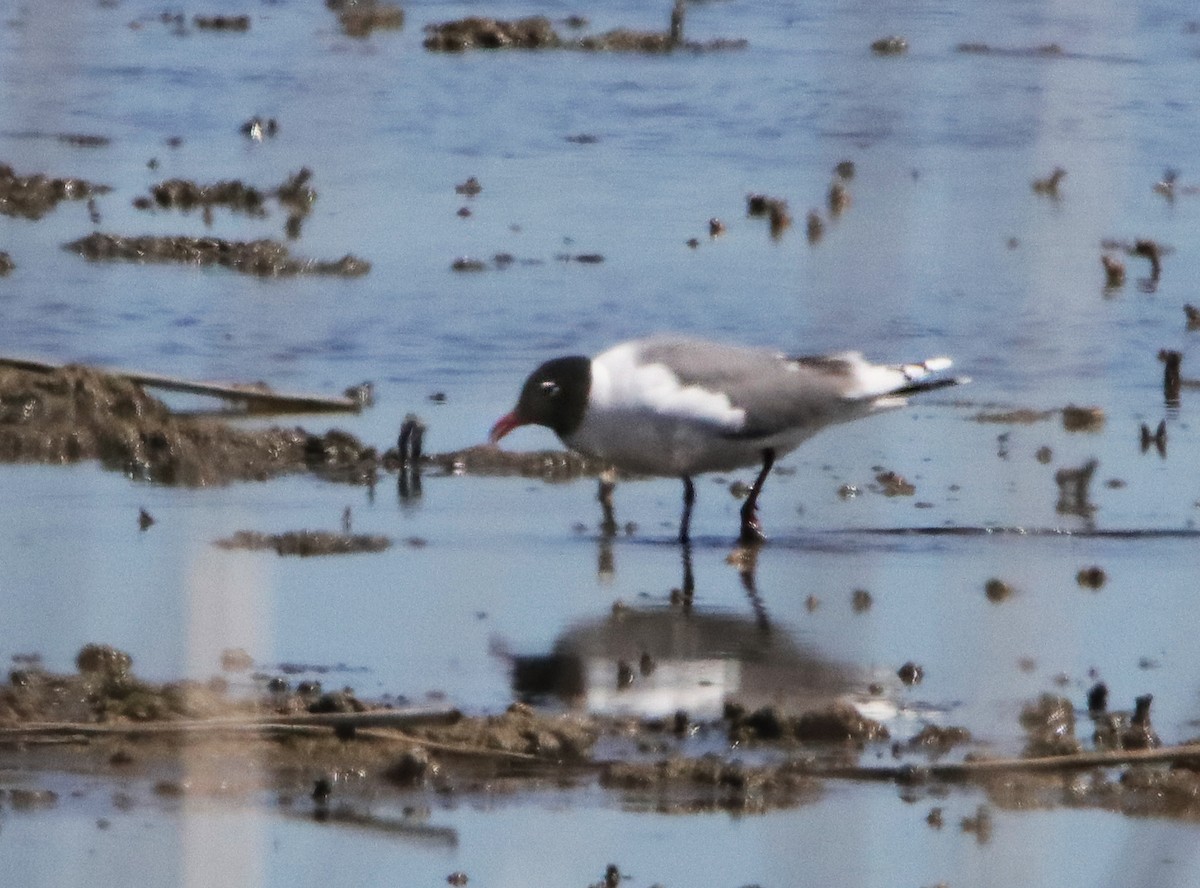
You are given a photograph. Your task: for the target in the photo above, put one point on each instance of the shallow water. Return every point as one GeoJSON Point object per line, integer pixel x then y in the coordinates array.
{"type": "Point", "coordinates": [924, 262]}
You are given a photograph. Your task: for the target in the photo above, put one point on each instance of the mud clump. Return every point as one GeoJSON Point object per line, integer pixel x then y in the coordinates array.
{"type": "Point", "coordinates": [359, 18]}
{"type": "Point", "coordinates": [1082, 419]}
{"type": "Point", "coordinates": [838, 723]}
{"type": "Point", "coordinates": [1049, 723]}
{"type": "Point", "coordinates": [186, 195]}
{"type": "Point", "coordinates": [306, 543]}
{"type": "Point", "coordinates": [6, 264]}
{"type": "Point", "coordinates": [550, 465]}
{"type": "Point", "coordinates": [77, 414]}
{"type": "Point", "coordinates": [893, 484]}
{"type": "Point", "coordinates": [478, 32]}
{"type": "Point", "coordinates": [521, 729]}
{"type": "Point", "coordinates": [233, 23]}
{"type": "Point", "coordinates": [709, 783]}
{"type": "Point", "coordinates": [265, 258]}
{"type": "Point", "coordinates": [104, 689]}
{"type": "Point", "coordinates": [31, 197]}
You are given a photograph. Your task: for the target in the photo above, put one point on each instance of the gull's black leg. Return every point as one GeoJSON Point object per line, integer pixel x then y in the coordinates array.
{"type": "Point", "coordinates": [689, 498]}
{"type": "Point", "coordinates": [608, 525]}
{"type": "Point", "coordinates": [751, 530]}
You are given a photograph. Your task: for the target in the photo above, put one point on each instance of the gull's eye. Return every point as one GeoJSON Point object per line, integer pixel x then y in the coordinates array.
{"type": "Point", "coordinates": [550, 388]}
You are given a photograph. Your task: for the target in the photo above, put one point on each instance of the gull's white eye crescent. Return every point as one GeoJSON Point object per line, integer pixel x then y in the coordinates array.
{"type": "Point", "coordinates": [550, 388]}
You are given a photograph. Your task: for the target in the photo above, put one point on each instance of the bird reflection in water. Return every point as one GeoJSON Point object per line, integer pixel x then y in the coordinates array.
{"type": "Point", "coordinates": [658, 660]}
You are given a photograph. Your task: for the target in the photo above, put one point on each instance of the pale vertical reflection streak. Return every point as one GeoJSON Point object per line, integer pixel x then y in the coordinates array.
{"type": "Point", "coordinates": [229, 605]}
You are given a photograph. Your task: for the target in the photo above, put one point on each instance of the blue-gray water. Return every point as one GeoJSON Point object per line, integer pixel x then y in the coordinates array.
{"type": "Point", "coordinates": [945, 249]}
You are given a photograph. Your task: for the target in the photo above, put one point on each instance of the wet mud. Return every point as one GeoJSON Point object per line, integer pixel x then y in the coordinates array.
{"type": "Point", "coordinates": [538, 32]}
{"type": "Point", "coordinates": [306, 543]}
{"type": "Point", "coordinates": [35, 195]}
{"type": "Point", "coordinates": [79, 414]}
{"type": "Point", "coordinates": [264, 258]}
{"type": "Point", "coordinates": [332, 755]}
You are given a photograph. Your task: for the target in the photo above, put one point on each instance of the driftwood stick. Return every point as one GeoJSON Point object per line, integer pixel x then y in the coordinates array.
{"type": "Point", "coordinates": [269, 723]}
{"type": "Point", "coordinates": [255, 399]}
{"type": "Point", "coordinates": [970, 770]}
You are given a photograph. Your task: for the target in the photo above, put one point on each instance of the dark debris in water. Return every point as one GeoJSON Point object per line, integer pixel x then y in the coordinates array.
{"type": "Point", "coordinates": [551, 465]}
{"type": "Point", "coordinates": [359, 18]}
{"type": "Point", "coordinates": [33, 196]}
{"type": "Point", "coordinates": [537, 32]}
{"type": "Point", "coordinates": [265, 258]}
{"type": "Point", "coordinates": [306, 543]}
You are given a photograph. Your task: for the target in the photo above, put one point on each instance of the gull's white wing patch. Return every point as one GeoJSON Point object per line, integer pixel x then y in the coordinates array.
{"type": "Point", "coordinates": [621, 383]}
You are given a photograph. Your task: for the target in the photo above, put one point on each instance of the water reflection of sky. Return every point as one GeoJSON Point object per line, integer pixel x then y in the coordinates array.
{"type": "Point", "coordinates": [945, 145]}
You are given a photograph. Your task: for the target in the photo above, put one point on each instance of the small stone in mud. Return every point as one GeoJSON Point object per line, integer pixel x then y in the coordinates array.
{"type": "Point", "coordinates": [1082, 419]}
{"type": "Point", "coordinates": [715, 227]}
{"type": "Point", "coordinates": [860, 601]}
{"type": "Point", "coordinates": [470, 187]}
{"type": "Point", "coordinates": [1048, 186]}
{"type": "Point", "coordinates": [1044, 455]}
{"type": "Point", "coordinates": [464, 263]}
{"type": "Point", "coordinates": [1092, 577]}
{"type": "Point", "coordinates": [894, 484]}
{"type": "Point", "coordinates": [844, 170]}
{"type": "Point", "coordinates": [910, 673]}
{"type": "Point", "coordinates": [6, 264]}
{"type": "Point", "coordinates": [889, 46]}
{"type": "Point", "coordinates": [814, 228]}
{"type": "Point", "coordinates": [583, 139]}
{"type": "Point", "coordinates": [779, 218]}
{"type": "Point", "coordinates": [145, 520]}
{"type": "Point", "coordinates": [997, 590]}
{"type": "Point", "coordinates": [811, 603]}
{"type": "Point", "coordinates": [934, 818]}
{"type": "Point", "coordinates": [1193, 316]}
{"type": "Point", "coordinates": [1114, 271]}
{"type": "Point", "coordinates": [457, 878]}
{"type": "Point", "coordinates": [693, 242]}
{"type": "Point", "coordinates": [838, 198]}
{"type": "Point", "coordinates": [980, 825]}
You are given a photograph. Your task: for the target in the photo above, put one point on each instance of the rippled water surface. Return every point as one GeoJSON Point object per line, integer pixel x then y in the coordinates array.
{"type": "Point", "coordinates": [945, 249]}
